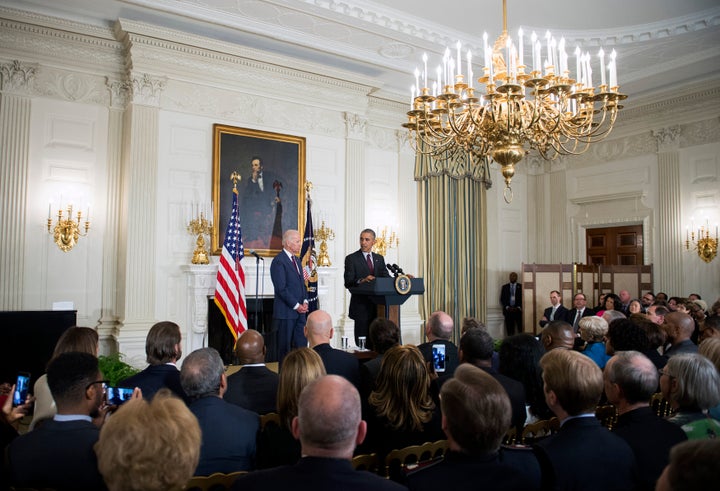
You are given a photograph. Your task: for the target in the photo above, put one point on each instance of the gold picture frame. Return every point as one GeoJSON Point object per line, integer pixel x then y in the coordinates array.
{"type": "Point", "coordinates": [267, 206]}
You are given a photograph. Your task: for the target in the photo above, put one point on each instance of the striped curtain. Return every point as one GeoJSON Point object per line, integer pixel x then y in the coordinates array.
{"type": "Point", "coordinates": [453, 244]}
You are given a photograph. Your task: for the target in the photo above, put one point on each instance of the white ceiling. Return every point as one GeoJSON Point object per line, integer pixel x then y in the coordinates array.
{"type": "Point", "coordinates": [660, 43]}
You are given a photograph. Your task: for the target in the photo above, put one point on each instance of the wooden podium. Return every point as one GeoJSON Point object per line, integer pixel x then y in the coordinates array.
{"type": "Point", "coordinates": [387, 296]}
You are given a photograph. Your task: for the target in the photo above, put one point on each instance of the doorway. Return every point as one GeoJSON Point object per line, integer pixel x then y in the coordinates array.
{"type": "Point", "coordinates": [621, 246]}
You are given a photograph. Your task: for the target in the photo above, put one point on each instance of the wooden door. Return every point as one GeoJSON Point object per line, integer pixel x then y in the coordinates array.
{"type": "Point", "coordinates": [615, 245]}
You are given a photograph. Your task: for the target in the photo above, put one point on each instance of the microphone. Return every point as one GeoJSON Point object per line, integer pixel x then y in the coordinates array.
{"type": "Point", "coordinates": [391, 267]}
{"type": "Point", "coordinates": [257, 256]}
{"type": "Point", "coordinates": [398, 269]}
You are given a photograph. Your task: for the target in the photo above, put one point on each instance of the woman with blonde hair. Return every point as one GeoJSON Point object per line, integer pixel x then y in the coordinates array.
{"type": "Point", "coordinates": [276, 444]}
{"type": "Point", "coordinates": [401, 411]}
{"type": "Point", "coordinates": [78, 339]}
{"type": "Point", "coordinates": [593, 330]}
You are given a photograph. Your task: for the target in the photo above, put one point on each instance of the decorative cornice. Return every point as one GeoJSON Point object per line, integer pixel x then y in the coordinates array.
{"type": "Point", "coordinates": [584, 200]}
{"type": "Point", "coordinates": [146, 89]}
{"type": "Point", "coordinates": [17, 77]}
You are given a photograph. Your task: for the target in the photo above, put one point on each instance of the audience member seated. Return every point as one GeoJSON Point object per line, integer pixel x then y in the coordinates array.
{"type": "Point", "coordinates": [693, 467]}
{"type": "Point", "coordinates": [592, 331]}
{"type": "Point", "coordinates": [10, 417]}
{"type": "Point", "coordinates": [384, 334]}
{"type": "Point", "coordinates": [319, 331]}
{"type": "Point", "coordinates": [710, 349]}
{"type": "Point", "coordinates": [630, 380]}
{"type": "Point", "coordinates": [623, 335]}
{"type": "Point", "coordinates": [229, 432]}
{"type": "Point", "coordinates": [612, 315]}
{"type": "Point", "coordinates": [520, 360]}
{"type": "Point", "coordinates": [583, 454]}
{"type": "Point", "coordinates": [691, 384]}
{"type": "Point", "coordinates": [59, 453]}
{"type": "Point", "coordinates": [476, 348]}
{"type": "Point", "coordinates": [79, 339]}
{"type": "Point", "coordinates": [657, 338]}
{"type": "Point", "coordinates": [679, 328]}
{"type": "Point", "coordinates": [472, 322]}
{"type": "Point", "coordinates": [149, 446]}
{"type": "Point", "coordinates": [635, 307]}
{"type": "Point", "coordinates": [401, 411]}
{"type": "Point", "coordinates": [673, 303]}
{"type": "Point", "coordinates": [711, 328]}
{"type": "Point", "coordinates": [439, 330]}
{"type": "Point", "coordinates": [656, 313]}
{"type": "Point", "coordinates": [276, 444]}
{"type": "Point", "coordinates": [612, 302]}
{"type": "Point", "coordinates": [647, 300]}
{"type": "Point", "coordinates": [476, 414]}
{"type": "Point", "coordinates": [715, 309]}
{"type": "Point", "coordinates": [163, 350]}
{"type": "Point", "coordinates": [329, 427]}
{"type": "Point", "coordinates": [661, 297]}
{"type": "Point", "coordinates": [557, 334]}
{"type": "Point", "coordinates": [253, 387]}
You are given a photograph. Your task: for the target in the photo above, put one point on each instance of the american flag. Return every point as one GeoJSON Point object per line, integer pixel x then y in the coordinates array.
{"type": "Point", "coordinates": [230, 287]}
{"type": "Point", "coordinates": [307, 256]}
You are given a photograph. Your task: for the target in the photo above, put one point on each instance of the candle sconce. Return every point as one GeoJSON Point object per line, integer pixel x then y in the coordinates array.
{"type": "Point", "coordinates": [67, 231]}
{"type": "Point", "coordinates": [323, 234]}
{"type": "Point", "coordinates": [383, 242]}
{"type": "Point", "coordinates": [705, 245]}
{"type": "Point", "coordinates": [201, 227]}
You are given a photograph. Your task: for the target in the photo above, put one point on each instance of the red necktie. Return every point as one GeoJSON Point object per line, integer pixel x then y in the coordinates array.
{"type": "Point", "coordinates": [370, 264]}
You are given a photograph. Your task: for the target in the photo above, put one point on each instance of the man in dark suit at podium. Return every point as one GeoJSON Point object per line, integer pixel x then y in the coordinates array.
{"type": "Point", "coordinates": [361, 267]}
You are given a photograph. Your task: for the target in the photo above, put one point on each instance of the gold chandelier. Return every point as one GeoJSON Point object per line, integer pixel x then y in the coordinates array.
{"type": "Point", "coordinates": [543, 110]}
{"type": "Point", "coordinates": [705, 245]}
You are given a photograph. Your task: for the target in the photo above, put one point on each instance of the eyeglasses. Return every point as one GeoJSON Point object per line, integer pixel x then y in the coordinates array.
{"type": "Point", "coordinates": [662, 372]}
{"type": "Point", "coordinates": [102, 382]}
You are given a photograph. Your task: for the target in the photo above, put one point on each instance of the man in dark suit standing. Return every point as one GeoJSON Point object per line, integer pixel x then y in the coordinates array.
{"type": "Point", "coordinates": [254, 386]}
{"type": "Point", "coordinates": [319, 331]}
{"type": "Point", "coordinates": [329, 427]}
{"type": "Point", "coordinates": [556, 311]}
{"type": "Point", "coordinates": [511, 301]}
{"type": "Point", "coordinates": [228, 431]}
{"type": "Point", "coordinates": [573, 384]}
{"type": "Point", "coordinates": [59, 454]}
{"type": "Point", "coordinates": [163, 350]}
{"type": "Point", "coordinates": [361, 267]}
{"type": "Point", "coordinates": [579, 311]}
{"type": "Point", "coordinates": [290, 305]}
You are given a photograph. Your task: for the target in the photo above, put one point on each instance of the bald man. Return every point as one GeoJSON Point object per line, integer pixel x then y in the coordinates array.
{"type": "Point", "coordinates": [319, 331]}
{"type": "Point", "coordinates": [439, 330]}
{"type": "Point", "coordinates": [329, 427]}
{"type": "Point", "coordinates": [254, 386]}
{"type": "Point", "coordinates": [679, 328]}
{"type": "Point", "coordinates": [558, 334]}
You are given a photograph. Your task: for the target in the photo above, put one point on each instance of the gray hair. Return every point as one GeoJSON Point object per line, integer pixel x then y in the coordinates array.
{"type": "Point", "coordinates": [201, 373]}
{"type": "Point", "coordinates": [698, 381]}
{"type": "Point", "coordinates": [635, 374]}
{"type": "Point", "coordinates": [593, 328]}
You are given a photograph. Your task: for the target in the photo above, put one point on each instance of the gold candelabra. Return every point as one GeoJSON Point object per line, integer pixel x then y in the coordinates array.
{"type": "Point", "coordinates": [67, 231]}
{"type": "Point", "coordinates": [383, 242]}
{"type": "Point", "coordinates": [323, 234]}
{"type": "Point", "coordinates": [543, 110]}
{"type": "Point", "coordinates": [201, 227]}
{"type": "Point", "coordinates": [705, 245]}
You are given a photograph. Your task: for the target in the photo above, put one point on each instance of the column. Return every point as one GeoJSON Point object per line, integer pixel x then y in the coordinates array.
{"type": "Point", "coordinates": [668, 267]}
{"type": "Point", "coordinates": [136, 254]}
{"type": "Point", "coordinates": [17, 79]}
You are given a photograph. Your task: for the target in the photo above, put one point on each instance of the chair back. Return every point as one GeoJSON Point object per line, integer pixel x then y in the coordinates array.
{"type": "Point", "coordinates": [401, 461]}
{"type": "Point", "coordinates": [269, 418]}
{"type": "Point", "coordinates": [214, 482]}
{"type": "Point", "coordinates": [538, 430]}
{"type": "Point", "coordinates": [366, 462]}
{"type": "Point", "coordinates": [607, 415]}
{"type": "Point", "coordinates": [510, 437]}
{"type": "Point", "coordinates": [660, 405]}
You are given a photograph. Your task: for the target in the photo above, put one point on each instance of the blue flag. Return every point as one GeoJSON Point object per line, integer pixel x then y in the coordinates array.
{"type": "Point", "coordinates": [309, 261]}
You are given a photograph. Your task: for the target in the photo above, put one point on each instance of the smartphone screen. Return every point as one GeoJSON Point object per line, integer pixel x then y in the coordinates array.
{"type": "Point", "coordinates": [438, 354]}
{"type": "Point", "coordinates": [22, 385]}
{"type": "Point", "coordinates": [117, 395]}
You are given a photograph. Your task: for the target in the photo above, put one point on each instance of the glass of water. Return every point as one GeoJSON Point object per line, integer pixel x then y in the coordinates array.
{"type": "Point", "coordinates": [362, 343]}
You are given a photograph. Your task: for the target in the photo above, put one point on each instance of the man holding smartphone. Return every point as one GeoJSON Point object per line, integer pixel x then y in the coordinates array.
{"type": "Point", "coordinates": [439, 348]}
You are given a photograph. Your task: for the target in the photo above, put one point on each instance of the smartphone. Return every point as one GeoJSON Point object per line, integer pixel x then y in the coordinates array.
{"type": "Point", "coordinates": [438, 354]}
{"type": "Point", "coordinates": [22, 385]}
{"type": "Point", "coordinates": [117, 395]}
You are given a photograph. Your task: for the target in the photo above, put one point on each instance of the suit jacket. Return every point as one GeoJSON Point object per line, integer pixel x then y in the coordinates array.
{"type": "Point", "coordinates": [505, 296]}
{"type": "Point", "coordinates": [356, 268]}
{"type": "Point", "coordinates": [516, 392]}
{"type": "Point", "coordinates": [229, 434]}
{"type": "Point", "coordinates": [254, 388]}
{"type": "Point", "coordinates": [585, 456]}
{"type": "Point", "coordinates": [681, 348]}
{"type": "Point", "coordinates": [154, 378]}
{"type": "Point", "coordinates": [560, 314]}
{"type": "Point", "coordinates": [462, 471]}
{"type": "Point", "coordinates": [369, 372]}
{"type": "Point", "coordinates": [570, 317]}
{"type": "Point", "coordinates": [650, 437]}
{"type": "Point", "coordinates": [338, 362]}
{"type": "Point", "coordinates": [58, 455]}
{"type": "Point", "coordinates": [315, 474]}
{"type": "Point", "coordinates": [452, 358]}
{"type": "Point", "coordinates": [289, 287]}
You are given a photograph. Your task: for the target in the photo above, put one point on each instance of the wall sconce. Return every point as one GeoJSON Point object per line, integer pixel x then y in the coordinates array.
{"type": "Point", "coordinates": [201, 227]}
{"type": "Point", "coordinates": [67, 232]}
{"type": "Point", "coordinates": [383, 242]}
{"type": "Point", "coordinates": [323, 234]}
{"type": "Point", "coordinates": [705, 245]}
